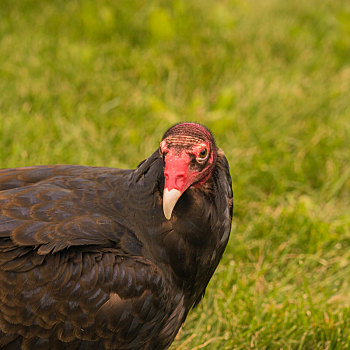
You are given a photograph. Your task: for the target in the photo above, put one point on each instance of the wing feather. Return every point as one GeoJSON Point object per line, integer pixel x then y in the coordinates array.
{"type": "Point", "coordinates": [68, 301]}
{"type": "Point", "coordinates": [52, 208]}
{"type": "Point", "coordinates": [71, 272]}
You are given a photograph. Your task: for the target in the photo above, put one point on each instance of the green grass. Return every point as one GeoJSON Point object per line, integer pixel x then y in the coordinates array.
{"type": "Point", "coordinates": [97, 83]}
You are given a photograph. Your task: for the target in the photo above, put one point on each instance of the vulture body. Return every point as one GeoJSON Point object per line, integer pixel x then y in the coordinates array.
{"type": "Point", "coordinates": [102, 258]}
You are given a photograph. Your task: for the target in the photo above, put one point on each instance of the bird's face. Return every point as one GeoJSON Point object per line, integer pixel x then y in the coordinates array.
{"type": "Point", "coordinates": [189, 155]}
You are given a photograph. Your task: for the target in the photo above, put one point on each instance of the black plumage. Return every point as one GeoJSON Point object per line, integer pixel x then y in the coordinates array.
{"type": "Point", "coordinates": [89, 261]}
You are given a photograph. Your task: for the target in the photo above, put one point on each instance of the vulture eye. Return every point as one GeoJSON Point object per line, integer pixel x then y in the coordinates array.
{"type": "Point", "coordinates": [203, 153]}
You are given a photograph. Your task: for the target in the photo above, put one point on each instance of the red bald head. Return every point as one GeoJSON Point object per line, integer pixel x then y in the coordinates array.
{"type": "Point", "coordinates": [190, 130]}
{"type": "Point", "coordinates": [189, 154]}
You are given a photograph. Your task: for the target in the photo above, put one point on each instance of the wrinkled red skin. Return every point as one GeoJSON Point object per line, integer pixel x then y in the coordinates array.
{"type": "Point", "coordinates": [178, 173]}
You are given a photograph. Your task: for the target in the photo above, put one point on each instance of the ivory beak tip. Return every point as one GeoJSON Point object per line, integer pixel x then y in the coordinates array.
{"type": "Point", "coordinates": [170, 198]}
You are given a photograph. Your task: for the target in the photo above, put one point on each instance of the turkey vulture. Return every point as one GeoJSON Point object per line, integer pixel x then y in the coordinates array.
{"type": "Point", "coordinates": [102, 258]}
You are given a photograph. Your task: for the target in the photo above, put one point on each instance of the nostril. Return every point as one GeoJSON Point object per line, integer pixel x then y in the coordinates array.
{"type": "Point", "coordinates": [180, 180]}
{"type": "Point", "coordinates": [175, 180]}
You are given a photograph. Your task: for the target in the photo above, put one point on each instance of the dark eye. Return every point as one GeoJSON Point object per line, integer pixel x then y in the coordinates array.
{"type": "Point", "coordinates": [203, 153]}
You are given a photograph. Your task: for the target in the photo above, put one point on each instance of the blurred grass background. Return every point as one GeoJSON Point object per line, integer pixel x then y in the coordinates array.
{"type": "Point", "coordinates": [98, 82]}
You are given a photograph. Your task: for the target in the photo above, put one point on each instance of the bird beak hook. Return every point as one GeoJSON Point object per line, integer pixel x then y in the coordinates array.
{"type": "Point", "coordinates": [169, 200]}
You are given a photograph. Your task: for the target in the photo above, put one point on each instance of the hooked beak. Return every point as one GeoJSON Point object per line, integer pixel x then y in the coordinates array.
{"type": "Point", "coordinates": [177, 180]}
{"type": "Point", "coordinates": [169, 200]}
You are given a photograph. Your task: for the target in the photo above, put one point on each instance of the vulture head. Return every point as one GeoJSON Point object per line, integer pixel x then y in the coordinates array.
{"type": "Point", "coordinates": [189, 154]}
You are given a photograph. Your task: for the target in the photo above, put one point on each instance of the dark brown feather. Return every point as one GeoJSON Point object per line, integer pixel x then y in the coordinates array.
{"type": "Point", "coordinates": [88, 260]}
